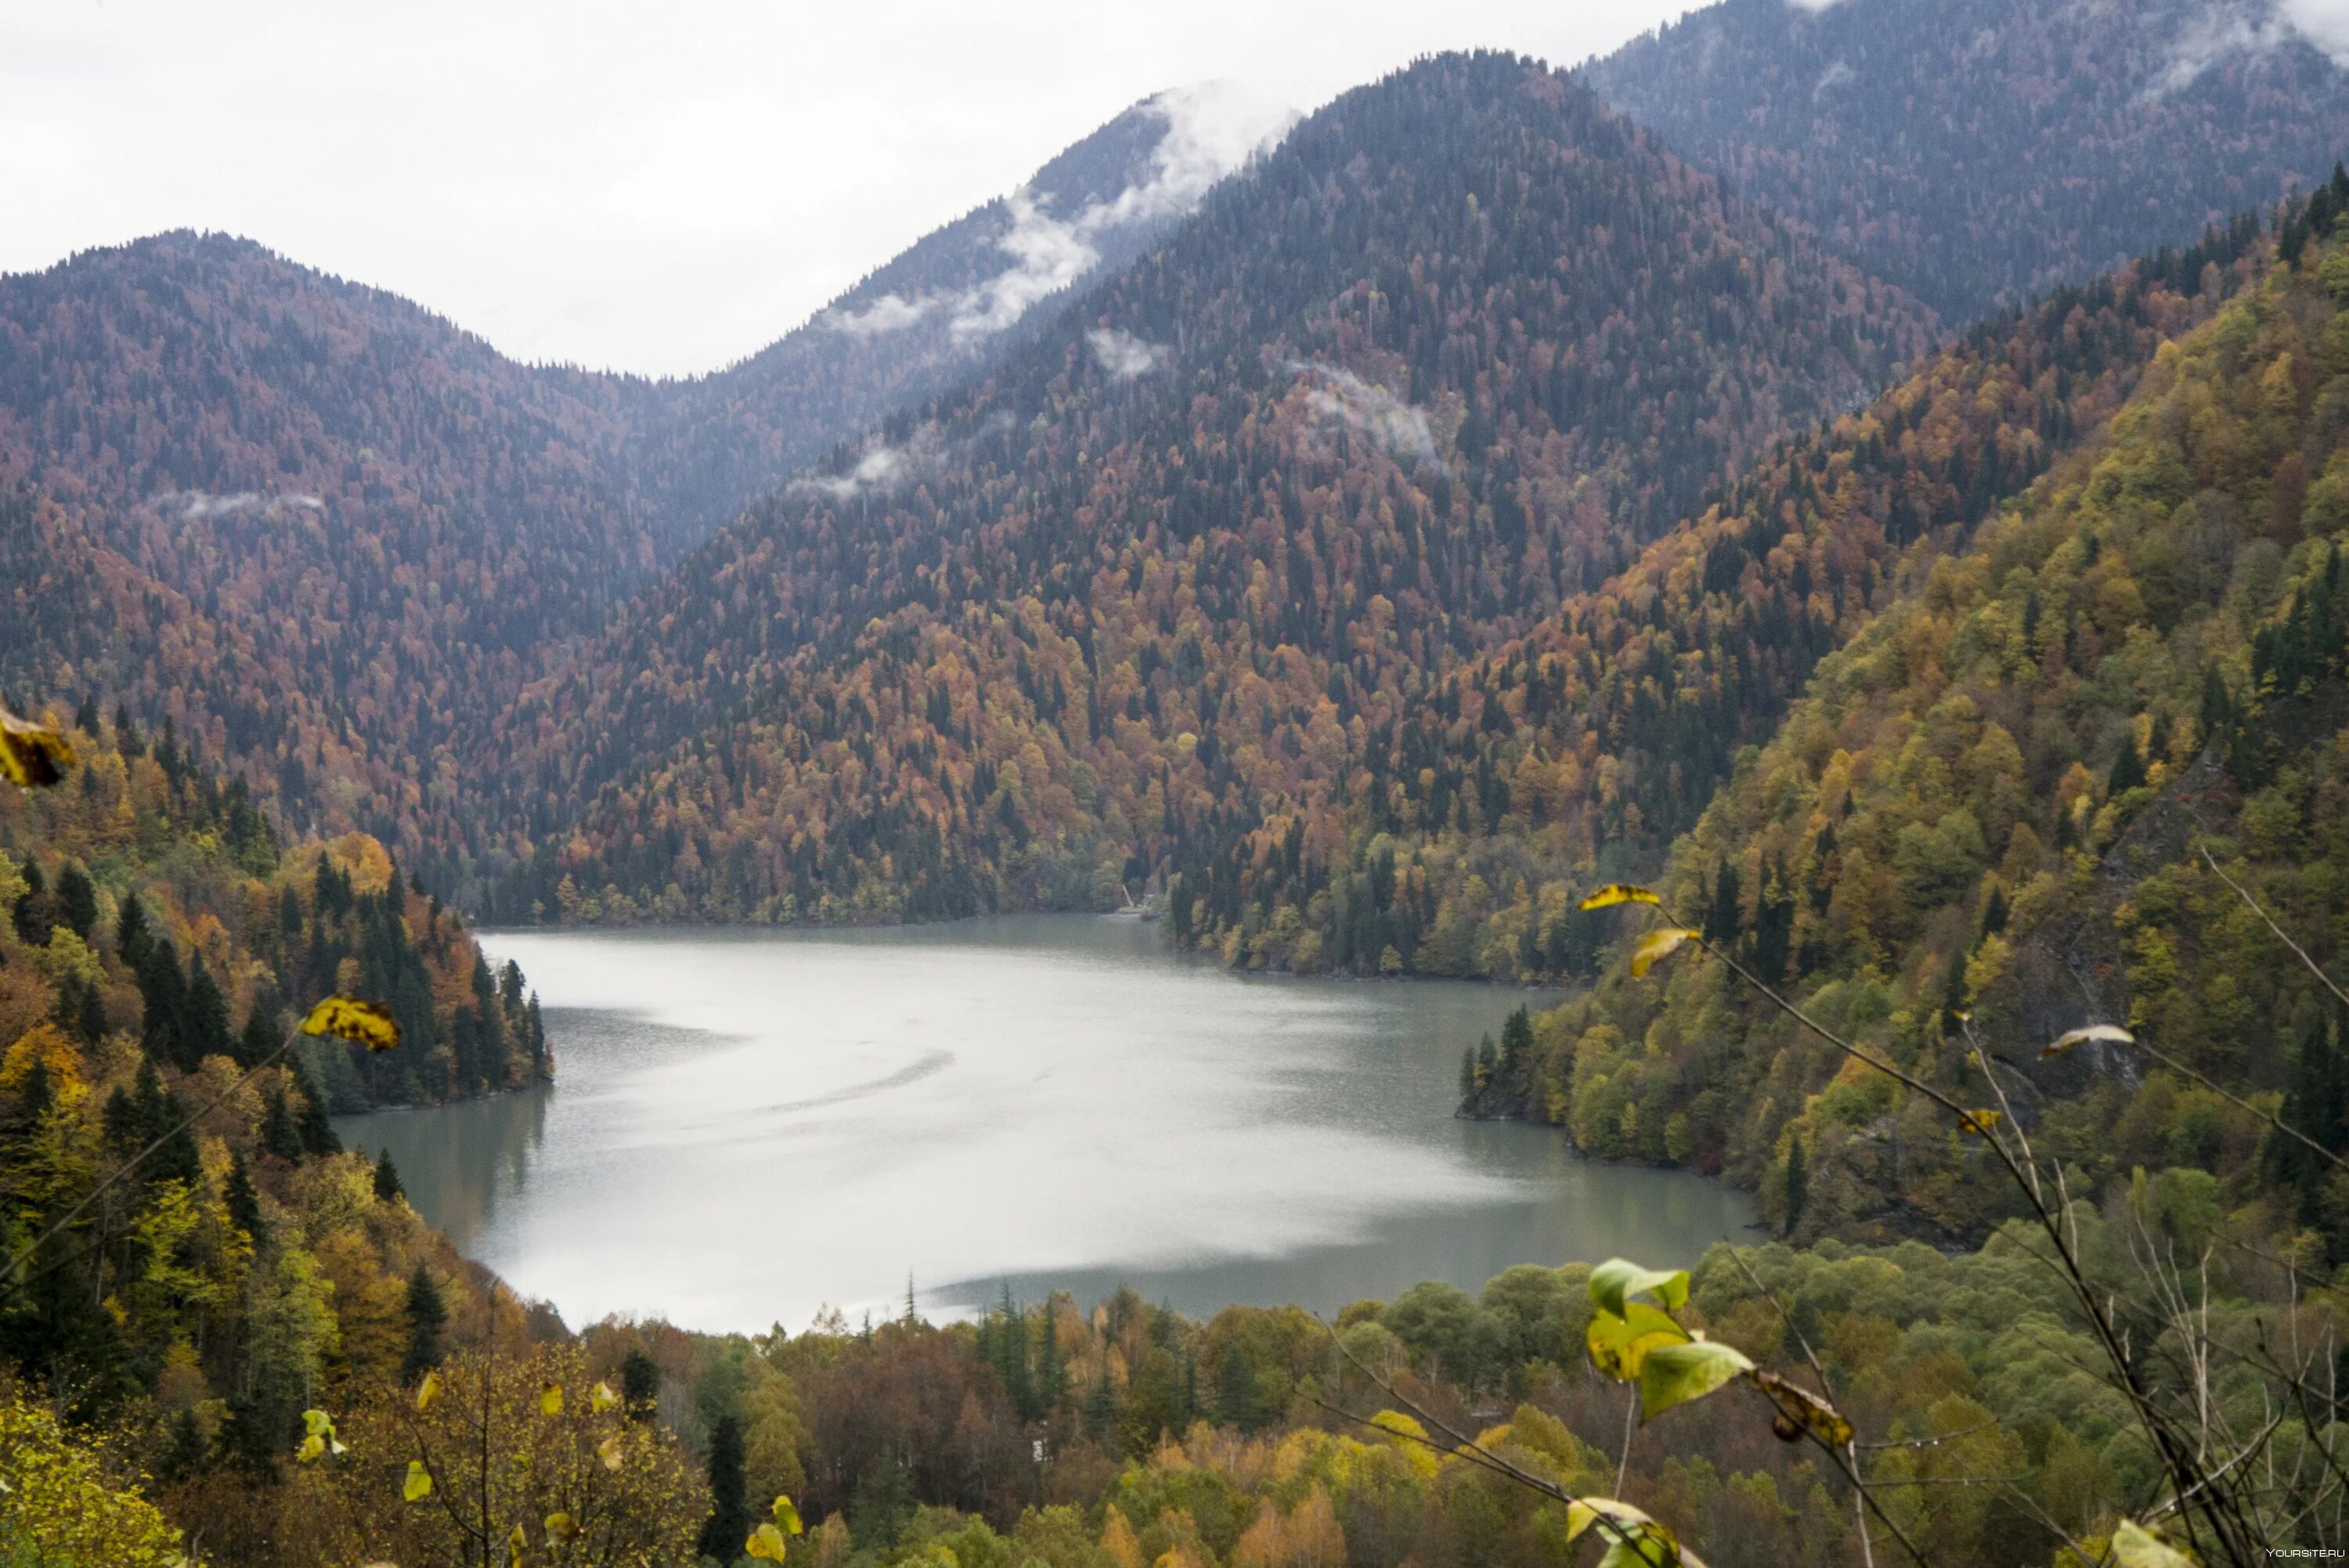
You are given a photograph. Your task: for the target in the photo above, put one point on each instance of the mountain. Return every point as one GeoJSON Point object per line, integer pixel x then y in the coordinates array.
{"type": "Point", "coordinates": [152, 911]}
{"type": "Point", "coordinates": [1987, 821]}
{"type": "Point", "coordinates": [1449, 355]}
{"type": "Point", "coordinates": [1977, 151]}
{"type": "Point", "coordinates": [357, 530]}
{"type": "Point", "coordinates": [1455, 837]}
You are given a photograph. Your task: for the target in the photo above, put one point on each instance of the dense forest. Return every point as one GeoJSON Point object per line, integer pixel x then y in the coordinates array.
{"type": "Point", "coordinates": [340, 534]}
{"type": "Point", "coordinates": [1453, 835]}
{"type": "Point", "coordinates": [1976, 152]}
{"type": "Point", "coordinates": [2019, 797]}
{"type": "Point", "coordinates": [1079, 615]}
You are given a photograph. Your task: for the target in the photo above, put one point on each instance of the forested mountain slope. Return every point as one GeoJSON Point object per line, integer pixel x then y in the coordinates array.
{"type": "Point", "coordinates": [152, 912]}
{"type": "Point", "coordinates": [1994, 803]}
{"type": "Point", "coordinates": [1448, 356]}
{"type": "Point", "coordinates": [355, 531]}
{"type": "Point", "coordinates": [1455, 837]}
{"type": "Point", "coordinates": [1977, 151]}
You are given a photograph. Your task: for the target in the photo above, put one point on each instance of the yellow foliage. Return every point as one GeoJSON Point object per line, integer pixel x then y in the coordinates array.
{"type": "Point", "coordinates": [60, 1506]}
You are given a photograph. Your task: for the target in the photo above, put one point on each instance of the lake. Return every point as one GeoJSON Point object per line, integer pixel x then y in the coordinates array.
{"type": "Point", "coordinates": [748, 1126]}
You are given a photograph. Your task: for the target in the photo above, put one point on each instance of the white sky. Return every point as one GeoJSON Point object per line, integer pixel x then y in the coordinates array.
{"type": "Point", "coordinates": [660, 187]}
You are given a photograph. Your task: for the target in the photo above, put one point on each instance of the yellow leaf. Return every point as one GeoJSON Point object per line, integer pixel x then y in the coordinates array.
{"type": "Point", "coordinates": [312, 1447]}
{"type": "Point", "coordinates": [32, 756]}
{"type": "Point", "coordinates": [428, 1390]}
{"type": "Point", "coordinates": [517, 1542]}
{"type": "Point", "coordinates": [1800, 1410]}
{"type": "Point", "coordinates": [608, 1450]}
{"type": "Point", "coordinates": [601, 1398]}
{"type": "Point", "coordinates": [1585, 1512]}
{"type": "Point", "coordinates": [2134, 1546]}
{"type": "Point", "coordinates": [419, 1482]}
{"type": "Point", "coordinates": [560, 1526]}
{"type": "Point", "coordinates": [766, 1543]}
{"type": "Point", "coordinates": [1978, 1122]}
{"type": "Point", "coordinates": [550, 1400]}
{"type": "Point", "coordinates": [787, 1518]}
{"type": "Point", "coordinates": [1619, 1346]}
{"type": "Point", "coordinates": [2065, 1041]}
{"type": "Point", "coordinates": [353, 1019]}
{"type": "Point", "coordinates": [1620, 893]}
{"type": "Point", "coordinates": [317, 1423]}
{"type": "Point", "coordinates": [1658, 944]}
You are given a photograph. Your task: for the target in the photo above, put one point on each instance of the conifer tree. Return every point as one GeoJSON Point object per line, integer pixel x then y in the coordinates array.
{"type": "Point", "coordinates": [640, 1382]}
{"type": "Point", "coordinates": [1798, 1182]}
{"type": "Point", "coordinates": [387, 1178]}
{"type": "Point", "coordinates": [1238, 1399]}
{"type": "Point", "coordinates": [729, 1525]}
{"type": "Point", "coordinates": [76, 900]}
{"type": "Point", "coordinates": [244, 1205]}
{"type": "Point", "coordinates": [279, 1135]}
{"type": "Point", "coordinates": [428, 1314]}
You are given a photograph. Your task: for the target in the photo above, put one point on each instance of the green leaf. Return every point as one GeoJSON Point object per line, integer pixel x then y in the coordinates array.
{"type": "Point", "coordinates": [1618, 1279]}
{"type": "Point", "coordinates": [1619, 1346]}
{"type": "Point", "coordinates": [787, 1517]}
{"type": "Point", "coordinates": [1674, 1374]}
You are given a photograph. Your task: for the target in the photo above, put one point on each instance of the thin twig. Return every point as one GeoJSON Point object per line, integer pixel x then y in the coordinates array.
{"type": "Point", "coordinates": [2297, 951]}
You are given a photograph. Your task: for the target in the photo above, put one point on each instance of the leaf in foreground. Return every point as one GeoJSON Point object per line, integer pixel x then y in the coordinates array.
{"type": "Point", "coordinates": [787, 1517]}
{"type": "Point", "coordinates": [1618, 1279]}
{"type": "Point", "coordinates": [420, 1483]}
{"type": "Point", "coordinates": [428, 1390]}
{"type": "Point", "coordinates": [1673, 1375]}
{"type": "Point", "coordinates": [1619, 1346]}
{"type": "Point", "coordinates": [766, 1543]}
{"type": "Point", "coordinates": [1634, 1540]}
{"type": "Point", "coordinates": [1620, 893]}
{"type": "Point", "coordinates": [2134, 1546]}
{"type": "Point", "coordinates": [550, 1400]}
{"type": "Point", "coordinates": [1800, 1411]}
{"type": "Point", "coordinates": [32, 756]}
{"type": "Point", "coordinates": [1978, 1122]}
{"type": "Point", "coordinates": [2069, 1037]}
{"type": "Point", "coordinates": [1656, 946]}
{"type": "Point", "coordinates": [353, 1019]}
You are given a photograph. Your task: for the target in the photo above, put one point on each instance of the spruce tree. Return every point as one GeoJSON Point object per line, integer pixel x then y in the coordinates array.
{"type": "Point", "coordinates": [260, 1036]}
{"type": "Point", "coordinates": [1238, 1398]}
{"type": "Point", "coordinates": [244, 1205]}
{"type": "Point", "coordinates": [207, 1014]}
{"type": "Point", "coordinates": [387, 1178]}
{"type": "Point", "coordinates": [164, 991]}
{"type": "Point", "coordinates": [640, 1383]}
{"type": "Point", "coordinates": [428, 1314]}
{"type": "Point", "coordinates": [318, 1134]}
{"type": "Point", "coordinates": [2129, 767]}
{"type": "Point", "coordinates": [729, 1525]}
{"type": "Point", "coordinates": [279, 1135]}
{"type": "Point", "coordinates": [76, 900]}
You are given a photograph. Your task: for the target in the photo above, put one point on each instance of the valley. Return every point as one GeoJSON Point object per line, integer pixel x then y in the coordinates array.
{"type": "Point", "coordinates": [1560, 815]}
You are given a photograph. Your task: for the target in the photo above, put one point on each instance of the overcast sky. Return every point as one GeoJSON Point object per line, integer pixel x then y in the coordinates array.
{"type": "Point", "coordinates": [659, 188]}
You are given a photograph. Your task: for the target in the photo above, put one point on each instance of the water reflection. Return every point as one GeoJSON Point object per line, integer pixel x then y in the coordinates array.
{"type": "Point", "coordinates": [752, 1125]}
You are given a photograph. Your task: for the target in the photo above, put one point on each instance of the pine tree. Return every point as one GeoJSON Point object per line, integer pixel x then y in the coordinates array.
{"type": "Point", "coordinates": [729, 1525]}
{"type": "Point", "coordinates": [387, 1178]}
{"type": "Point", "coordinates": [259, 1037]}
{"type": "Point", "coordinates": [428, 1314]}
{"type": "Point", "coordinates": [2129, 767]}
{"type": "Point", "coordinates": [1722, 916]}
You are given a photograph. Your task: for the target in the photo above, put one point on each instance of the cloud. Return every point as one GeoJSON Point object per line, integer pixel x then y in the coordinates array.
{"type": "Point", "coordinates": [1124, 355]}
{"type": "Point", "coordinates": [2225, 29]}
{"type": "Point", "coordinates": [193, 505]}
{"type": "Point", "coordinates": [1834, 77]}
{"type": "Point", "coordinates": [1212, 130]}
{"type": "Point", "coordinates": [884, 467]}
{"type": "Point", "coordinates": [1345, 398]}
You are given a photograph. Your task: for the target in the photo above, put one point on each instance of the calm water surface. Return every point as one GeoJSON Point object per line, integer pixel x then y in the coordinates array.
{"type": "Point", "coordinates": [750, 1126]}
